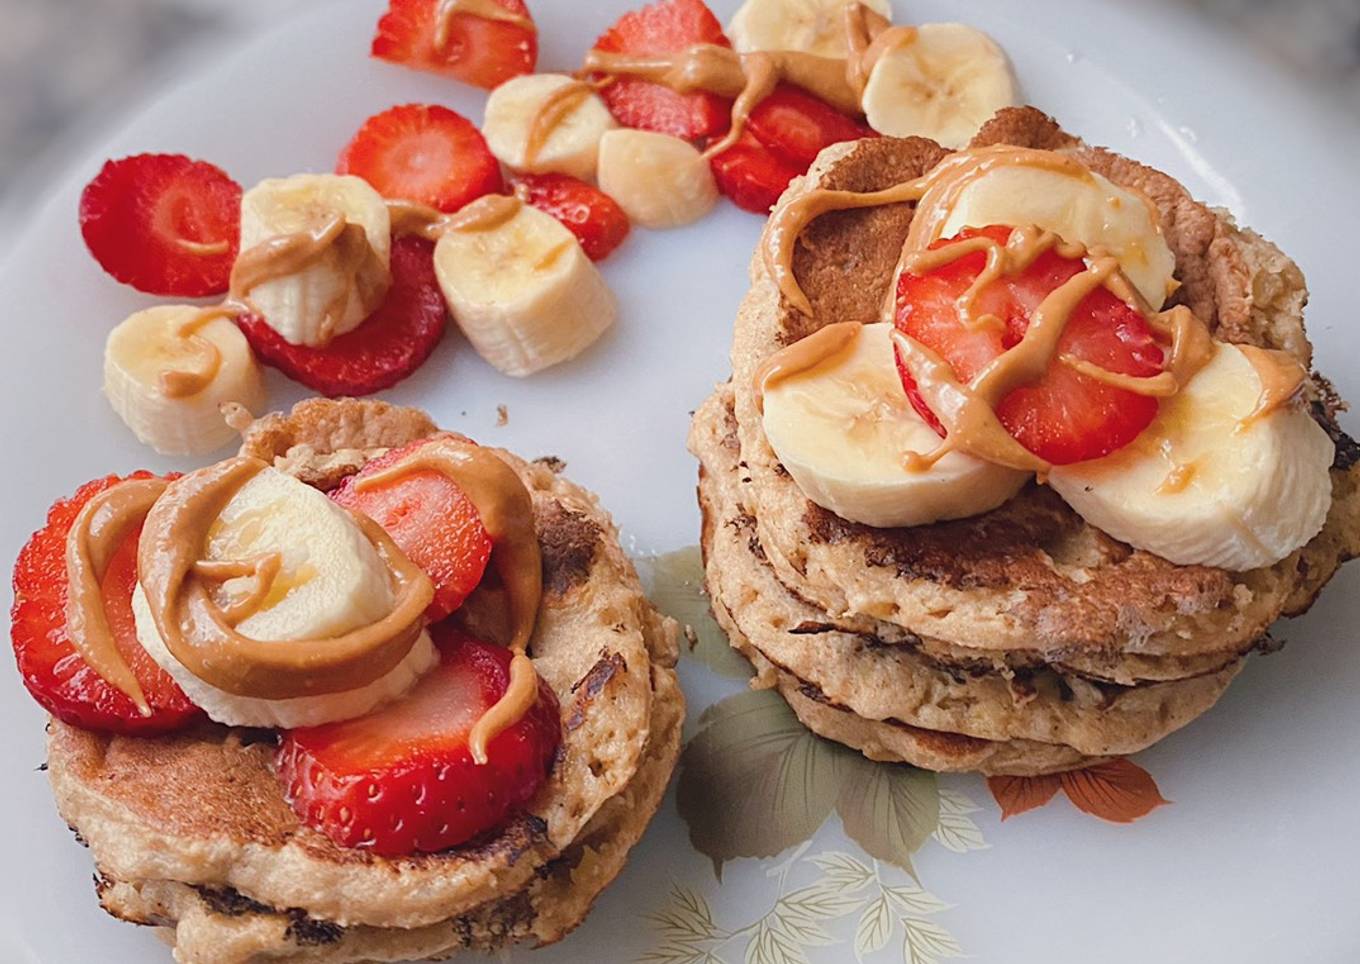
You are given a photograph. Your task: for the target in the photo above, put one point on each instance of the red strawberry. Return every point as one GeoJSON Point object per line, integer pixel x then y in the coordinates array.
{"type": "Point", "coordinates": [432, 521]}
{"type": "Point", "coordinates": [593, 216]}
{"type": "Point", "coordinates": [1065, 416]}
{"type": "Point", "coordinates": [796, 125]}
{"type": "Point", "coordinates": [402, 780]}
{"type": "Point", "coordinates": [51, 668]}
{"type": "Point", "coordinates": [163, 223]}
{"type": "Point", "coordinates": [480, 51]}
{"type": "Point", "coordinates": [752, 175]}
{"type": "Point", "coordinates": [662, 28]}
{"type": "Point", "coordinates": [389, 345]}
{"type": "Point", "coordinates": [425, 153]}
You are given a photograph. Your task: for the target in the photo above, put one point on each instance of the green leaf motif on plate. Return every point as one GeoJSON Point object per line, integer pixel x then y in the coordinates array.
{"type": "Point", "coordinates": [675, 585]}
{"type": "Point", "coordinates": [754, 781]}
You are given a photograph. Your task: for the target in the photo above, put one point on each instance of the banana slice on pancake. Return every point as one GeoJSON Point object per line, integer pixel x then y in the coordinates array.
{"type": "Point", "coordinates": [1215, 480]}
{"type": "Point", "coordinates": [843, 429]}
{"type": "Point", "coordinates": [330, 581]}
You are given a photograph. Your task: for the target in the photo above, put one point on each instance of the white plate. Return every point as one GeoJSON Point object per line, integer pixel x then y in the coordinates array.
{"type": "Point", "coordinates": [1258, 858]}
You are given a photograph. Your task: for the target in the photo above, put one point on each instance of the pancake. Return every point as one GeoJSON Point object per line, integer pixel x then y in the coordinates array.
{"type": "Point", "coordinates": [1028, 583]}
{"type": "Point", "coordinates": [879, 682]}
{"type": "Point", "coordinates": [225, 928]}
{"type": "Point", "coordinates": [203, 808]}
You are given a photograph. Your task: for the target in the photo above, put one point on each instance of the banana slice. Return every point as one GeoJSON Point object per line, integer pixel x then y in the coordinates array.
{"type": "Point", "coordinates": [169, 370]}
{"type": "Point", "coordinates": [945, 83]}
{"type": "Point", "coordinates": [522, 290]}
{"type": "Point", "coordinates": [843, 427]}
{"type": "Point", "coordinates": [812, 26]}
{"type": "Point", "coordinates": [314, 299]}
{"type": "Point", "coordinates": [546, 122]}
{"type": "Point", "coordinates": [331, 581]}
{"type": "Point", "coordinates": [660, 181]}
{"type": "Point", "coordinates": [1208, 483]}
{"type": "Point", "coordinates": [1077, 206]}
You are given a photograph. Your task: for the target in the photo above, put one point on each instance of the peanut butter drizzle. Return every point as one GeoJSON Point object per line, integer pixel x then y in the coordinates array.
{"type": "Point", "coordinates": [263, 570]}
{"type": "Point", "coordinates": [868, 37]}
{"type": "Point", "coordinates": [190, 379]}
{"type": "Point", "coordinates": [555, 109]}
{"type": "Point", "coordinates": [482, 9]}
{"type": "Point", "coordinates": [748, 78]}
{"type": "Point", "coordinates": [804, 355]}
{"type": "Point", "coordinates": [968, 412]}
{"type": "Point", "coordinates": [95, 536]}
{"type": "Point", "coordinates": [484, 214]}
{"type": "Point", "coordinates": [1281, 378]}
{"type": "Point", "coordinates": [507, 513]}
{"type": "Point", "coordinates": [200, 633]}
{"type": "Point", "coordinates": [203, 249]}
{"type": "Point", "coordinates": [287, 254]}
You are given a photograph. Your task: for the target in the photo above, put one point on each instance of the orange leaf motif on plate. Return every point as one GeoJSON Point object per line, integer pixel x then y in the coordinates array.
{"type": "Point", "coordinates": [1118, 791]}
{"type": "Point", "coordinates": [1018, 794]}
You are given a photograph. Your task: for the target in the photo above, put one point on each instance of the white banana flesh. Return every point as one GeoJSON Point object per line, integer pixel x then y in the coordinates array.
{"type": "Point", "coordinates": [944, 83]}
{"type": "Point", "coordinates": [1085, 208]}
{"type": "Point", "coordinates": [327, 297]}
{"type": "Point", "coordinates": [1205, 484]}
{"type": "Point", "coordinates": [571, 144]}
{"type": "Point", "coordinates": [331, 581]}
{"type": "Point", "coordinates": [843, 429]}
{"type": "Point", "coordinates": [660, 181]}
{"type": "Point", "coordinates": [523, 291]}
{"type": "Point", "coordinates": [148, 351]}
{"type": "Point", "coordinates": [812, 26]}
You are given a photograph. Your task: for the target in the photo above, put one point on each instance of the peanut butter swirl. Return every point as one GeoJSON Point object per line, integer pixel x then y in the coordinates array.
{"type": "Point", "coordinates": [803, 355]}
{"type": "Point", "coordinates": [199, 633]}
{"type": "Point", "coordinates": [482, 9]}
{"type": "Point", "coordinates": [1281, 378]}
{"type": "Point", "coordinates": [98, 531]}
{"type": "Point", "coordinates": [194, 375]}
{"type": "Point", "coordinates": [507, 513]}
{"type": "Point", "coordinates": [551, 113]}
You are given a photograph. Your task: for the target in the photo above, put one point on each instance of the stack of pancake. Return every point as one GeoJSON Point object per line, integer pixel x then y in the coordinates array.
{"type": "Point", "coordinates": [1021, 641]}
{"type": "Point", "coordinates": [191, 832]}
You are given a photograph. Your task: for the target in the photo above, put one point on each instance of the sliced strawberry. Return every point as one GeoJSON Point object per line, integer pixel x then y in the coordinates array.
{"type": "Point", "coordinates": [163, 223]}
{"type": "Point", "coordinates": [662, 28]}
{"type": "Point", "coordinates": [57, 675]}
{"type": "Point", "coordinates": [432, 521]}
{"type": "Point", "coordinates": [402, 780]}
{"type": "Point", "coordinates": [425, 153]}
{"type": "Point", "coordinates": [752, 175]}
{"type": "Point", "coordinates": [593, 216]}
{"type": "Point", "coordinates": [480, 51]}
{"type": "Point", "coordinates": [1064, 416]}
{"type": "Point", "coordinates": [797, 126]}
{"type": "Point", "coordinates": [389, 345]}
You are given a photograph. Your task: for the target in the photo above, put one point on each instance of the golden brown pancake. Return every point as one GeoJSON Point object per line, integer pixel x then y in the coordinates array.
{"type": "Point", "coordinates": [1029, 582]}
{"type": "Point", "coordinates": [202, 810]}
